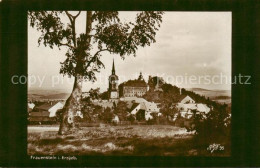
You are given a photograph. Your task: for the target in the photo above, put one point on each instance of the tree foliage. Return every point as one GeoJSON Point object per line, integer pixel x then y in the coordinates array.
{"type": "Point", "coordinates": [94, 93]}
{"type": "Point", "coordinates": [140, 115]}
{"type": "Point", "coordinates": [104, 95]}
{"type": "Point", "coordinates": [155, 80]}
{"type": "Point", "coordinates": [215, 124]}
{"type": "Point", "coordinates": [121, 110]}
{"type": "Point", "coordinates": [105, 32]}
{"type": "Point", "coordinates": [108, 115]}
{"type": "Point", "coordinates": [169, 110]}
{"type": "Point", "coordinates": [171, 94]}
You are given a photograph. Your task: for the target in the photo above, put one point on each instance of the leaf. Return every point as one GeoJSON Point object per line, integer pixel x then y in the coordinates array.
{"type": "Point", "coordinates": [109, 34]}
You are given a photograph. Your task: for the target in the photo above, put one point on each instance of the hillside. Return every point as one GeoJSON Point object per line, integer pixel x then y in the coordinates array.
{"type": "Point", "coordinates": [220, 96]}
{"type": "Point", "coordinates": [57, 96]}
{"type": "Point", "coordinates": [211, 93]}
{"type": "Point", "coordinates": [171, 94]}
{"type": "Point", "coordinates": [47, 94]}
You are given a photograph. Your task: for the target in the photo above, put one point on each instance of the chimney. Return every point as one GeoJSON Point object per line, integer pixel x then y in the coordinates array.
{"type": "Point", "coordinates": [180, 91]}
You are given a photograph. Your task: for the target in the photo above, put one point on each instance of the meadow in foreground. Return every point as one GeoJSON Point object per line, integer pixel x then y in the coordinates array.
{"type": "Point", "coordinates": [160, 140]}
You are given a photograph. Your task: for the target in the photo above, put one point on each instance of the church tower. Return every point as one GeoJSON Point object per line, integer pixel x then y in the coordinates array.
{"type": "Point", "coordinates": [113, 84]}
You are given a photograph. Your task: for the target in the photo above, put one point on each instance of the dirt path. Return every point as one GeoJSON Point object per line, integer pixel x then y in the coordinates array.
{"type": "Point", "coordinates": [42, 128]}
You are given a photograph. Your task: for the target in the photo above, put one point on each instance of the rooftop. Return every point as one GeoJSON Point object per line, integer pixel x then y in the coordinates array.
{"type": "Point", "coordinates": [135, 83]}
{"type": "Point", "coordinates": [47, 105]}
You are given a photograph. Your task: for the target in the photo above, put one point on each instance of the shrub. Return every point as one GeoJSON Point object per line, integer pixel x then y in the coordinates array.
{"type": "Point", "coordinates": [214, 125]}
{"type": "Point", "coordinates": [154, 120]}
{"type": "Point", "coordinates": [140, 115]}
{"type": "Point", "coordinates": [121, 110]}
{"type": "Point", "coordinates": [108, 115]}
{"type": "Point", "coordinates": [162, 120]}
{"type": "Point", "coordinates": [180, 121]}
{"type": "Point", "coordinates": [131, 118]}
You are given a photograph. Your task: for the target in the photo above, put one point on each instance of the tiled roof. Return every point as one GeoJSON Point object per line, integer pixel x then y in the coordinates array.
{"type": "Point", "coordinates": [143, 106]}
{"type": "Point", "coordinates": [104, 103]}
{"type": "Point", "coordinates": [182, 97]}
{"type": "Point", "coordinates": [41, 118]}
{"type": "Point", "coordinates": [192, 106]}
{"type": "Point", "coordinates": [135, 83]}
{"type": "Point", "coordinates": [45, 106]}
{"type": "Point", "coordinates": [40, 114]}
{"type": "Point", "coordinates": [134, 106]}
{"type": "Point", "coordinates": [135, 99]}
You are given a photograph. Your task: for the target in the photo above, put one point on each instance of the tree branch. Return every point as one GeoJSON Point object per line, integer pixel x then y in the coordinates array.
{"type": "Point", "coordinates": [69, 16]}
{"type": "Point", "coordinates": [76, 15]}
{"type": "Point", "coordinates": [62, 44]}
{"type": "Point", "coordinates": [101, 51]}
{"type": "Point", "coordinates": [95, 56]}
{"type": "Point", "coordinates": [72, 21]}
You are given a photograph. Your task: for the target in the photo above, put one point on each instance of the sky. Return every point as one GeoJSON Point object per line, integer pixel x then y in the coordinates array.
{"type": "Point", "coordinates": [188, 45]}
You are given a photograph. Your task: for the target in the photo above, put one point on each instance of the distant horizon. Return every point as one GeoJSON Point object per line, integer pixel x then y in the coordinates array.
{"type": "Point", "coordinates": [69, 91]}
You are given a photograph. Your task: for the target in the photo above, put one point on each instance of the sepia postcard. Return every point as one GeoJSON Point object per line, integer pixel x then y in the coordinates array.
{"type": "Point", "coordinates": [129, 83]}
{"type": "Point", "coordinates": [130, 87]}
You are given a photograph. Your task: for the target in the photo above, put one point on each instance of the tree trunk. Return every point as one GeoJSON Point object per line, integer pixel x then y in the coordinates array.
{"type": "Point", "coordinates": [72, 105]}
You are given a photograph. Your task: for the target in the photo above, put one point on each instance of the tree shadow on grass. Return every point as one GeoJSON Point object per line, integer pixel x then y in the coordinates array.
{"type": "Point", "coordinates": [50, 141]}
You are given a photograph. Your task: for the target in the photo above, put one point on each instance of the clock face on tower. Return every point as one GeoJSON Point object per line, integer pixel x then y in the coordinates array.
{"type": "Point", "coordinates": [113, 95]}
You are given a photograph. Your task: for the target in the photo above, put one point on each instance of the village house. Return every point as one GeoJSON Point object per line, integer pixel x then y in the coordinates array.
{"type": "Point", "coordinates": [187, 105]}
{"type": "Point", "coordinates": [134, 105]}
{"type": "Point", "coordinates": [46, 111]}
{"type": "Point", "coordinates": [105, 103]}
{"type": "Point", "coordinates": [30, 107]}
{"type": "Point", "coordinates": [115, 119]}
{"type": "Point", "coordinates": [130, 92]}
{"type": "Point", "coordinates": [187, 100]}
{"type": "Point", "coordinates": [141, 105]}
{"type": "Point", "coordinates": [85, 94]}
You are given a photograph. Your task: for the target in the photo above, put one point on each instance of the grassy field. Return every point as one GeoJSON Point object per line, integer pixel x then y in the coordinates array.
{"type": "Point", "coordinates": [160, 140]}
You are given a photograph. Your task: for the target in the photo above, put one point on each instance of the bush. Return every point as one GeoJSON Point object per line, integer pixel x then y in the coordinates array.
{"type": "Point", "coordinates": [140, 115]}
{"type": "Point", "coordinates": [108, 115]}
{"type": "Point", "coordinates": [151, 121]}
{"type": "Point", "coordinates": [131, 118]}
{"type": "Point", "coordinates": [162, 120]}
{"type": "Point", "coordinates": [154, 120]}
{"type": "Point", "coordinates": [121, 110]}
{"type": "Point", "coordinates": [215, 125]}
{"type": "Point", "coordinates": [180, 121]}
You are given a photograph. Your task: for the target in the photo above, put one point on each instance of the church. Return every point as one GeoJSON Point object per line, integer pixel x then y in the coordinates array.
{"type": "Point", "coordinates": [130, 88]}
{"type": "Point", "coordinates": [113, 84]}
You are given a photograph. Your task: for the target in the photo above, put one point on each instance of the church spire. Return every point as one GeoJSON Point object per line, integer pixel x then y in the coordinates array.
{"type": "Point", "coordinates": [113, 68]}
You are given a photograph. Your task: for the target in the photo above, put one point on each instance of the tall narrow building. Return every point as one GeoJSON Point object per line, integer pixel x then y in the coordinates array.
{"type": "Point", "coordinates": [113, 84]}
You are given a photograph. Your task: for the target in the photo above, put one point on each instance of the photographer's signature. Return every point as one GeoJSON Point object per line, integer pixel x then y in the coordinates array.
{"type": "Point", "coordinates": [215, 147]}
